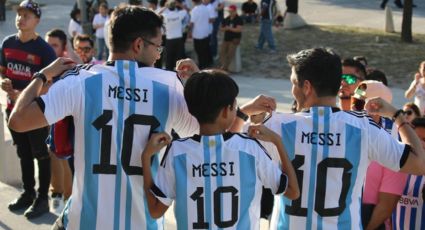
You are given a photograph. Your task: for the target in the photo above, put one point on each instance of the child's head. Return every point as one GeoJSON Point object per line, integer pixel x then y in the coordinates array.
{"type": "Point", "coordinates": [211, 94]}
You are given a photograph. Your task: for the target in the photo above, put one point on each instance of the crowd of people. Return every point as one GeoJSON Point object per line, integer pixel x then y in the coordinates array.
{"type": "Point", "coordinates": [98, 117]}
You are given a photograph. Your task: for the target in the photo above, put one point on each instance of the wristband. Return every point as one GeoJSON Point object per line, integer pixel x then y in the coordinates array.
{"type": "Point", "coordinates": [241, 115]}
{"type": "Point", "coordinates": [397, 113]}
{"type": "Point", "coordinates": [41, 76]}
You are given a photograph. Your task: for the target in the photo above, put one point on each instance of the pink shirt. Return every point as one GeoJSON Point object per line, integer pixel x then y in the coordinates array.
{"type": "Point", "coordinates": [381, 179]}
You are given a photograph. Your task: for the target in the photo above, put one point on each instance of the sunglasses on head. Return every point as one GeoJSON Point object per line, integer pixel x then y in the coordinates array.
{"type": "Point", "coordinates": [349, 78]}
{"type": "Point", "coordinates": [408, 112]}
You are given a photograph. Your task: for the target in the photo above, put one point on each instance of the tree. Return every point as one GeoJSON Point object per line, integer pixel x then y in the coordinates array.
{"type": "Point", "coordinates": [406, 25]}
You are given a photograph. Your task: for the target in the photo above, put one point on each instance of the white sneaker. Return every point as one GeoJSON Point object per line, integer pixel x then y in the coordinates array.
{"type": "Point", "coordinates": [57, 203]}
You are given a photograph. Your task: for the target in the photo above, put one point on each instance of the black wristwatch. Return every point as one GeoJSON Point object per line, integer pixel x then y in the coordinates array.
{"type": "Point", "coordinates": [241, 114]}
{"type": "Point", "coordinates": [41, 76]}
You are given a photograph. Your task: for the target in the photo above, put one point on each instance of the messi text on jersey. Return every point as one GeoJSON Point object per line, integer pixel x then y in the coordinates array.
{"type": "Point", "coordinates": [321, 138]}
{"type": "Point", "coordinates": [129, 94]}
{"type": "Point", "coordinates": [213, 169]}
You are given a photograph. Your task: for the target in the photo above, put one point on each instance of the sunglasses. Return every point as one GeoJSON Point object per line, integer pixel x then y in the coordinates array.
{"type": "Point", "coordinates": [158, 47]}
{"type": "Point", "coordinates": [349, 78]}
{"type": "Point", "coordinates": [408, 112]}
{"type": "Point", "coordinates": [84, 49]}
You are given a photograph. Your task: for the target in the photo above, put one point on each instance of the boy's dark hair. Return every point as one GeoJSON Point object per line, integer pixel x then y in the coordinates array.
{"type": "Point", "coordinates": [84, 38]}
{"type": "Point", "coordinates": [414, 108]}
{"type": "Point", "coordinates": [321, 67]}
{"type": "Point", "coordinates": [360, 68]}
{"type": "Point", "coordinates": [207, 92]}
{"type": "Point", "coordinates": [377, 75]}
{"type": "Point", "coordinates": [129, 23]}
{"type": "Point", "coordinates": [419, 122]}
{"type": "Point", "coordinates": [58, 33]}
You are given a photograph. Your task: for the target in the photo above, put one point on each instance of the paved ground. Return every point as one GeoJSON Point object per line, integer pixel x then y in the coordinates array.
{"type": "Point", "coordinates": [362, 13]}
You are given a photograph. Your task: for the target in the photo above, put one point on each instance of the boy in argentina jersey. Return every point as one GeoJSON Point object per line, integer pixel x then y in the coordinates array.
{"type": "Point", "coordinates": [216, 177]}
{"type": "Point", "coordinates": [410, 211]}
{"type": "Point", "coordinates": [331, 149]}
{"type": "Point", "coordinates": [115, 109]}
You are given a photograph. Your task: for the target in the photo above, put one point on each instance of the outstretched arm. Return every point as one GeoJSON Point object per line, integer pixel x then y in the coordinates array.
{"type": "Point", "coordinates": [156, 143]}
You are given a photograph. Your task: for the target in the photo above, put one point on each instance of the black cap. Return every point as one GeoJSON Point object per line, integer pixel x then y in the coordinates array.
{"type": "Point", "coordinates": [32, 6]}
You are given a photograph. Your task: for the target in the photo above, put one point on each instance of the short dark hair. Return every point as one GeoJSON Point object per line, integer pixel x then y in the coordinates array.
{"type": "Point", "coordinates": [129, 23]}
{"type": "Point", "coordinates": [58, 33]}
{"type": "Point", "coordinates": [350, 62]}
{"type": "Point", "coordinates": [74, 13]}
{"type": "Point", "coordinates": [414, 108]}
{"type": "Point", "coordinates": [321, 67]}
{"type": "Point", "coordinates": [419, 122]}
{"type": "Point", "coordinates": [207, 92]}
{"type": "Point", "coordinates": [377, 75]}
{"type": "Point", "coordinates": [84, 38]}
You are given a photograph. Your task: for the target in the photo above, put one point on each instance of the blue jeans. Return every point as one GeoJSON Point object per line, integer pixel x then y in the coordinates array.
{"type": "Point", "coordinates": [101, 46]}
{"type": "Point", "coordinates": [266, 34]}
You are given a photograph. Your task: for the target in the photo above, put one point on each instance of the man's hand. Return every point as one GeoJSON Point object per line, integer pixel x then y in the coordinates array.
{"type": "Point", "coordinates": [13, 94]}
{"type": "Point", "coordinates": [263, 133]}
{"type": "Point", "coordinates": [57, 67]}
{"type": "Point", "coordinates": [259, 104]}
{"type": "Point", "coordinates": [6, 85]}
{"type": "Point", "coordinates": [186, 67]}
{"type": "Point", "coordinates": [155, 144]}
{"type": "Point", "coordinates": [378, 106]}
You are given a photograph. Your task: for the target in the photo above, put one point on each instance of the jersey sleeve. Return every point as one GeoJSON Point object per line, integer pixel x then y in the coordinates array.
{"type": "Point", "coordinates": [183, 123]}
{"type": "Point", "coordinates": [393, 182]}
{"type": "Point", "coordinates": [384, 149]}
{"type": "Point", "coordinates": [269, 172]}
{"type": "Point", "coordinates": [62, 99]}
{"type": "Point", "coordinates": [165, 181]}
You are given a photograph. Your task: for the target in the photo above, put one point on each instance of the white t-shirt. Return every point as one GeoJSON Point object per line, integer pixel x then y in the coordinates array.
{"type": "Point", "coordinates": [216, 181]}
{"type": "Point", "coordinates": [74, 26]}
{"type": "Point", "coordinates": [100, 20]}
{"type": "Point", "coordinates": [330, 151]}
{"type": "Point", "coordinates": [115, 108]}
{"type": "Point", "coordinates": [200, 17]}
{"type": "Point", "coordinates": [420, 97]}
{"type": "Point", "coordinates": [173, 21]}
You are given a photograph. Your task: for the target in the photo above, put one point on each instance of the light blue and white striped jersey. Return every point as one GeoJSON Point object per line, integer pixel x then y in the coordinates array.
{"type": "Point", "coordinates": [410, 211]}
{"type": "Point", "coordinates": [330, 151]}
{"type": "Point", "coordinates": [216, 181]}
{"type": "Point", "coordinates": [115, 108]}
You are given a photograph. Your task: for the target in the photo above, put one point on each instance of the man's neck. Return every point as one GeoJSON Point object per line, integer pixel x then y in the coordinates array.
{"type": "Point", "coordinates": [25, 36]}
{"type": "Point", "coordinates": [345, 103]}
{"type": "Point", "coordinates": [210, 129]}
{"type": "Point", "coordinates": [324, 101]}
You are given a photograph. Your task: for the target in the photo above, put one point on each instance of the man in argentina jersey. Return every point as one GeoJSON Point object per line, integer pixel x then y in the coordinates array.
{"type": "Point", "coordinates": [216, 179]}
{"type": "Point", "coordinates": [410, 211]}
{"type": "Point", "coordinates": [115, 109]}
{"type": "Point", "coordinates": [331, 149]}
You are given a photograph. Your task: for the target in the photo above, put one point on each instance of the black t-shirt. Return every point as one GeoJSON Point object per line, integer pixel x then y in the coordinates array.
{"type": "Point", "coordinates": [228, 35]}
{"type": "Point", "coordinates": [249, 7]}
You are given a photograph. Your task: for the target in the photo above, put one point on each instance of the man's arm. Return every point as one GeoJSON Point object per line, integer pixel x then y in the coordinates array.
{"type": "Point", "coordinates": [27, 114]}
{"type": "Point", "coordinates": [415, 162]}
{"type": "Point", "coordinates": [155, 144]}
{"type": "Point", "coordinates": [383, 210]}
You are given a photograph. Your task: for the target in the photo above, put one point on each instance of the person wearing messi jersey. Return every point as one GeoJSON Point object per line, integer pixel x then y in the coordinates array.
{"type": "Point", "coordinates": [331, 149]}
{"type": "Point", "coordinates": [22, 55]}
{"type": "Point", "coordinates": [410, 211]}
{"type": "Point", "coordinates": [115, 108]}
{"type": "Point", "coordinates": [215, 178]}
